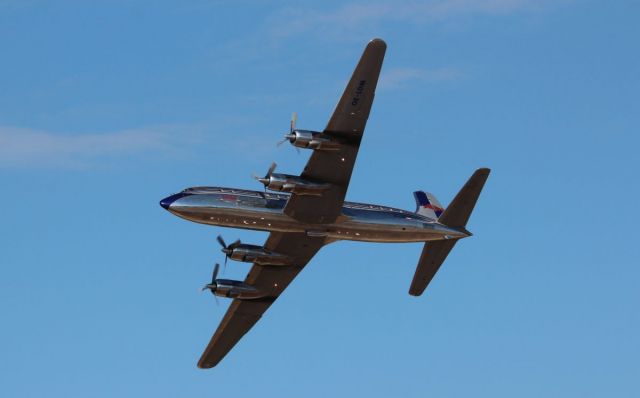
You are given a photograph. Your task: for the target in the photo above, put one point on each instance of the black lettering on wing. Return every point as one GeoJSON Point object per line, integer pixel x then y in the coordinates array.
{"type": "Point", "coordinates": [358, 93]}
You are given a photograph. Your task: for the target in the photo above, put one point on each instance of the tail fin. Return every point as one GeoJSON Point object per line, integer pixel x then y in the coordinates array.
{"type": "Point", "coordinates": [456, 215]}
{"type": "Point", "coordinates": [427, 205]}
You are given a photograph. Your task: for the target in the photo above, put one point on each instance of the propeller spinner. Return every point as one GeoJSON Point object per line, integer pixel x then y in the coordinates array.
{"type": "Point", "coordinates": [266, 179]}
{"type": "Point", "coordinates": [227, 250]}
{"type": "Point", "coordinates": [213, 285]}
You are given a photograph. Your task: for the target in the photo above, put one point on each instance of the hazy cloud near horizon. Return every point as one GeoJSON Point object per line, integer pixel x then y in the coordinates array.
{"type": "Point", "coordinates": [32, 148]}
{"type": "Point", "coordinates": [24, 147]}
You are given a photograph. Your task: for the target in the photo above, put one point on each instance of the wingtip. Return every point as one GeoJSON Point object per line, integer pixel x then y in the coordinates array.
{"type": "Point", "coordinates": [378, 41]}
{"type": "Point", "coordinates": [205, 365]}
{"type": "Point", "coordinates": [483, 170]}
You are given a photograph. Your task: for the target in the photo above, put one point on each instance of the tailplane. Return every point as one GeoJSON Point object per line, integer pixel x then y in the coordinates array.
{"type": "Point", "coordinates": [459, 210]}
{"type": "Point", "coordinates": [455, 215]}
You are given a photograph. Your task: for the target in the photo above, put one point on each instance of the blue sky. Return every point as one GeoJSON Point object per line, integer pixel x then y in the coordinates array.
{"type": "Point", "coordinates": [107, 107]}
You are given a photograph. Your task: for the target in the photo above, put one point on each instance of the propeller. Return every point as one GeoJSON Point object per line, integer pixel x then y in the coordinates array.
{"type": "Point", "coordinates": [292, 127]}
{"type": "Point", "coordinates": [227, 250]}
{"type": "Point", "coordinates": [267, 178]}
{"type": "Point", "coordinates": [213, 286]}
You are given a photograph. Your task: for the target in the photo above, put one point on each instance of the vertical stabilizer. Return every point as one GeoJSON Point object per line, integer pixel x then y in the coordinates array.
{"type": "Point", "coordinates": [427, 205]}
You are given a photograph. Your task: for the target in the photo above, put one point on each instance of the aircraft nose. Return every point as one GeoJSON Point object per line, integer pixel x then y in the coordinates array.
{"type": "Point", "coordinates": [166, 202]}
{"type": "Point", "coordinates": [169, 200]}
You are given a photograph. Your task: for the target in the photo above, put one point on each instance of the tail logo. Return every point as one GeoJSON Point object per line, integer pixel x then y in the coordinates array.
{"type": "Point", "coordinates": [436, 209]}
{"type": "Point", "coordinates": [428, 202]}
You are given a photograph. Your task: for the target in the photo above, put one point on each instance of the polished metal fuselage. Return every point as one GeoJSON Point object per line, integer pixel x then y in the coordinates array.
{"type": "Point", "coordinates": [237, 208]}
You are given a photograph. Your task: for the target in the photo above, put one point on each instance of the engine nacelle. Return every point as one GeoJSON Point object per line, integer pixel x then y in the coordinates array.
{"type": "Point", "coordinates": [312, 140]}
{"type": "Point", "coordinates": [258, 255]}
{"type": "Point", "coordinates": [293, 184]}
{"type": "Point", "coordinates": [234, 289]}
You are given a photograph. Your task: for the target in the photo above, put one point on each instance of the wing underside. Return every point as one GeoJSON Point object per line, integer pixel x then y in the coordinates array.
{"type": "Point", "coordinates": [243, 314]}
{"type": "Point", "coordinates": [347, 126]}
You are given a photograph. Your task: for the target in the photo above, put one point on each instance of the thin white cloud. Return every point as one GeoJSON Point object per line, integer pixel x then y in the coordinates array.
{"type": "Point", "coordinates": [23, 147]}
{"type": "Point", "coordinates": [358, 15]}
{"type": "Point", "coordinates": [401, 77]}
{"type": "Point", "coordinates": [31, 148]}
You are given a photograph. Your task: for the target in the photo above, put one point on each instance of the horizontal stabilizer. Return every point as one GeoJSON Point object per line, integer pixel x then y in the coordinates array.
{"type": "Point", "coordinates": [432, 257]}
{"type": "Point", "coordinates": [455, 215]}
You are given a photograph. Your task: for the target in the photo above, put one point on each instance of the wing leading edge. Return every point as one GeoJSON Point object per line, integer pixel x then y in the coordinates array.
{"type": "Point", "coordinates": [243, 314]}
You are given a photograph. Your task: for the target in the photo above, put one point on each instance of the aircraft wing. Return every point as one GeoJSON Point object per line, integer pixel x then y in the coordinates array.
{"type": "Point", "coordinates": [347, 125]}
{"type": "Point", "coordinates": [243, 314]}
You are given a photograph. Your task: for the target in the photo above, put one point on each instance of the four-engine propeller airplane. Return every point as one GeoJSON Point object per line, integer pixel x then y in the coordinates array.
{"type": "Point", "coordinates": [311, 212]}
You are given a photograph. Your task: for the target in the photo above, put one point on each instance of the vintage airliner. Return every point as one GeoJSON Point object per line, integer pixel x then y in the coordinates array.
{"type": "Point", "coordinates": [310, 211]}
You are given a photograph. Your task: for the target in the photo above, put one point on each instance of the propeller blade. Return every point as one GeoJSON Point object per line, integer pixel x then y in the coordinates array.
{"type": "Point", "coordinates": [294, 119]}
{"type": "Point", "coordinates": [285, 139]}
{"type": "Point", "coordinates": [271, 169]}
{"type": "Point", "coordinates": [221, 241]}
{"type": "Point", "coordinates": [257, 177]}
{"type": "Point", "coordinates": [215, 273]}
{"type": "Point", "coordinates": [207, 287]}
{"type": "Point", "coordinates": [235, 244]}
